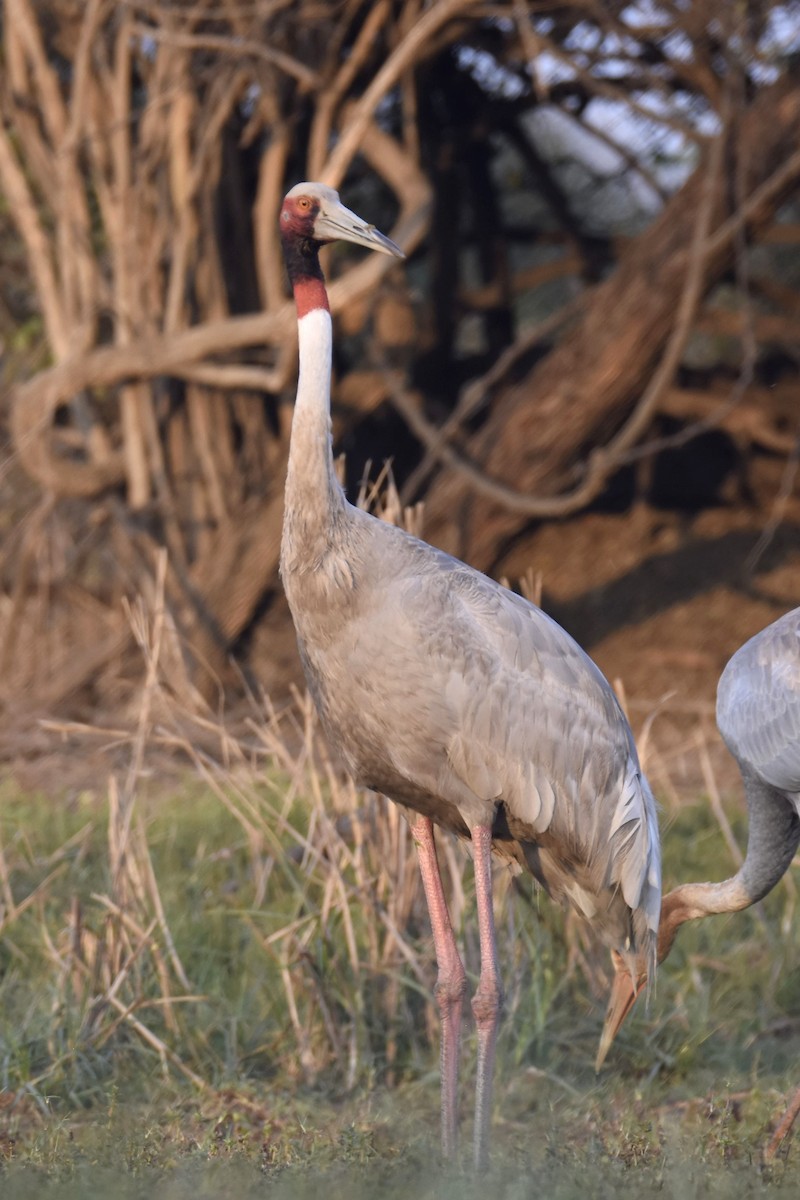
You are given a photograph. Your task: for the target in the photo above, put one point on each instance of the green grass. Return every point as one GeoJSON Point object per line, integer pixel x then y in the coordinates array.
{"type": "Point", "coordinates": [217, 989]}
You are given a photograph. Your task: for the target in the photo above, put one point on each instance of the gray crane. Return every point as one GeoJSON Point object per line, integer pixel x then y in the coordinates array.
{"type": "Point", "coordinates": [758, 715]}
{"type": "Point", "coordinates": [456, 698]}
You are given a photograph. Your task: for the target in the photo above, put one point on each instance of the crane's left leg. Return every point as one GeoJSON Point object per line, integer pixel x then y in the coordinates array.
{"type": "Point", "coordinates": [488, 999]}
{"type": "Point", "coordinates": [451, 982]}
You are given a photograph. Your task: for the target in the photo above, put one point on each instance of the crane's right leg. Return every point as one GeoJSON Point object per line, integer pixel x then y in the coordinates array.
{"type": "Point", "coordinates": [451, 983]}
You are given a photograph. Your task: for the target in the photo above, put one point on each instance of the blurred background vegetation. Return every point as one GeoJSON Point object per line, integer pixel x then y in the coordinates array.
{"type": "Point", "coordinates": [595, 332]}
{"type": "Point", "coordinates": [585, 378]}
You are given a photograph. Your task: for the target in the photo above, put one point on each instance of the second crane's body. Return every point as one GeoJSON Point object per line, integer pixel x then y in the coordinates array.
{"type": "Point", "coordinates": [467, 704]}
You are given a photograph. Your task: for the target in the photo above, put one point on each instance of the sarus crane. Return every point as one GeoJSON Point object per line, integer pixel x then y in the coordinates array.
{"type": "Point", "coordinates": [456, 698]}
{"type": "Point", "coordinates": [758, 715]}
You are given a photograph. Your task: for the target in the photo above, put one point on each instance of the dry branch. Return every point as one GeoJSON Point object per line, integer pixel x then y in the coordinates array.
{"type": "Point", "coordinates": [35, 404]}
{"type": "Point", "coordinates": [600, 368]}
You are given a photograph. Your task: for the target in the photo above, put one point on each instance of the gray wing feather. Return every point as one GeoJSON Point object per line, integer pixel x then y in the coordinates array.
{"type": "Point", "coordinates": [758, 703]}
{"type": "Point", "coordinates": [536, 724]}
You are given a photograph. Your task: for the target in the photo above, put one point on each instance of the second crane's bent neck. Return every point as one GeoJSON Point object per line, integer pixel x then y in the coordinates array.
{"type": "Point", "coordinates": [314, 498]}
{"type": "Point", "coordinates": [773, 838]}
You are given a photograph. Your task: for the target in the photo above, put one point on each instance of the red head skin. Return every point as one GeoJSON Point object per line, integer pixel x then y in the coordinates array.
{"type": "Point", "coordinates": [301, 251]}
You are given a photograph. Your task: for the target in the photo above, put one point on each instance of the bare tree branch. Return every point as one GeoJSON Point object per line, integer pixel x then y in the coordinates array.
{"type": "Point", "coordinates": [628, 318]}
{"type": "Point", "coordinates": [429, 24]}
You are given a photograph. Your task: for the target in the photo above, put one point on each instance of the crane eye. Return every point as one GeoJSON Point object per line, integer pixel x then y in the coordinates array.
{"type": "Point", "coordinates": [304, 203]}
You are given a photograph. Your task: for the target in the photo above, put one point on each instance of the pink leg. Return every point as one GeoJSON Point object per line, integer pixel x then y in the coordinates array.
{"type": "Point", "coordinates": [488, 999]}
{"type": "Point", "coordinates": [451, 982]}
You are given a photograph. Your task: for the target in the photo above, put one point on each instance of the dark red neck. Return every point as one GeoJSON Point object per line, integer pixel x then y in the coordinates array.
{"type": "Point", "coordinates": [305, 274]}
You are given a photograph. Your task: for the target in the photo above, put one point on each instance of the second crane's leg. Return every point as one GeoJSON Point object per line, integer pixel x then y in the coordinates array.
{"type": "Point", "coordinates": [451, 982]}
{"type": "Point", "coordinates": [787, 1121]}
{"type": "Point", "coordinates": [488, 999]}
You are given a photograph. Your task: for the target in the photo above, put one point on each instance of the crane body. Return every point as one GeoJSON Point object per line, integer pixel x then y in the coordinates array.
{"type": "Point", "coordinates": [758, 707]}
{"type": "Point", "coordinates": [436, 659]}
{"type": "Point", "coordinates": [455, 697]}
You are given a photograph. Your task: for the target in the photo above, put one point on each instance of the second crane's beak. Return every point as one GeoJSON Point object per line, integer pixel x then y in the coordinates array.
{"type": "Point", "coordinates": [335, 223]}
{"type": "Point", "coordinates": [624, 991]}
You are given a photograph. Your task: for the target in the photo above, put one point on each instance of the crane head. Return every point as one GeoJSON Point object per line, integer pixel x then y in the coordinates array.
{"type": "Point", "coordinates": [314, 211]}
{"type": "Point", "coordinates": [632, 977]}
{"type": "Point", "coordinates": [625, 988]}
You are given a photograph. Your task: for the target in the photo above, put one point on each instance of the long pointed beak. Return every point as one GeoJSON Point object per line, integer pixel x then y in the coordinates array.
{"type": "Point", "coordinates": [622, 999]}
{"type": "Point", "coordinates": [336, 223]}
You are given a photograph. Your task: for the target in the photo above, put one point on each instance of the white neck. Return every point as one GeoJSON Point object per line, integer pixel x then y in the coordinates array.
{"type": "Point", "coordinates": [313, 497]}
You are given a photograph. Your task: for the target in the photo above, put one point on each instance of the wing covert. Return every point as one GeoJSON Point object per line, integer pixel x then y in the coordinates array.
{"type": "Point", "coordinates": [538, 726]}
